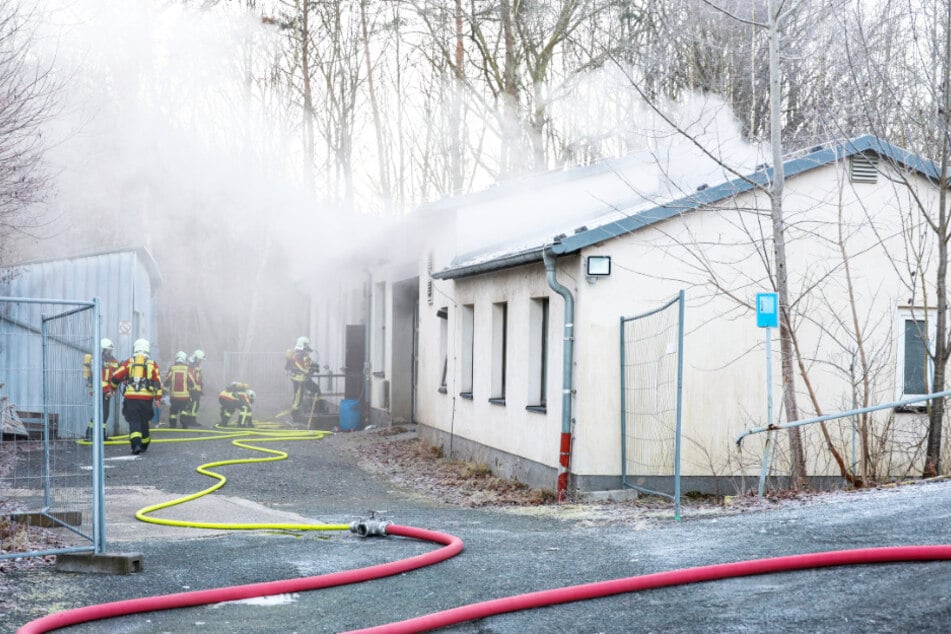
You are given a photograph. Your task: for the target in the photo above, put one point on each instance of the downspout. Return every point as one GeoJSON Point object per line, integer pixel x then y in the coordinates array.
{"type": "Point", "coordinates": [564, 458]}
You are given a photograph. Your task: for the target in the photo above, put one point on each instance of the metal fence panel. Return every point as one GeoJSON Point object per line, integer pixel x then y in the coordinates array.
{"type": "Point", "coordinates": [47, 477]}
{"type": "Point", "coordinates": [651, 396]}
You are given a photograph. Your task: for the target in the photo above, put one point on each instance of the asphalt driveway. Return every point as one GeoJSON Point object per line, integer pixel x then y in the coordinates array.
{"type": "Point", "coordinates": [506, 553]}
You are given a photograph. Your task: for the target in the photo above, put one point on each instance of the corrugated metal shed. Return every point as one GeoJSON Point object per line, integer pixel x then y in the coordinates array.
{"type": "Point", "coordinates": [124, 282]}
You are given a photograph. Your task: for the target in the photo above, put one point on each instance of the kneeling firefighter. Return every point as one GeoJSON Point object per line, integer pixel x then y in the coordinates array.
{"type": "Point", "coordinates": [142, 389]}
{"type": "Point", "coordinates": [237, 397]}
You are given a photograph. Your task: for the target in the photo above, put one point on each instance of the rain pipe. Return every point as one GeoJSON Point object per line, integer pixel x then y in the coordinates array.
{"type": "Point", "coordinates": [564, 456]}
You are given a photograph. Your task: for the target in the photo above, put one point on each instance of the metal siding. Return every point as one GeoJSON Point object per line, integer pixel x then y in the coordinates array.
{"type": "Point", "coordinates": [121, 281]}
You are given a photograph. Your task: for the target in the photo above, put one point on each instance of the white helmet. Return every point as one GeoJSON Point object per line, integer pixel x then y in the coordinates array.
{"type": "Point", "coordinates": [181, 357]}
{"type": "Point", "coordinates": [106, 344]}
{"type": "Point", "coordinates": [198, 355]}
{"type": "Point", "coordinates": [141, 346]}
{"type": "Point", "coordinates": [303, 343]}
{"type": "Point", "coordinates": [251, 395]}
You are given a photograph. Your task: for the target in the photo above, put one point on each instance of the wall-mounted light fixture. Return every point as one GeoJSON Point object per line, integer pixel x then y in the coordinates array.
{"type": "Point", "coordinates": [598, 265]}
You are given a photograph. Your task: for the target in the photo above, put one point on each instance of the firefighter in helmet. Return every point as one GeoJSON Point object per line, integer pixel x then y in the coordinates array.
{"type": "Point", "coordinates": [298, 365]}
{"type": "Point", "coordinates": [237, 397]}
{"type": "Point", "coordinates": [142, 390]}
{"type": "Point", "coordinates": [190, 415]}
{"type": "Point", "coordinates": [109, 365]}
{"type": "Point", "coordinates": [179, 386]}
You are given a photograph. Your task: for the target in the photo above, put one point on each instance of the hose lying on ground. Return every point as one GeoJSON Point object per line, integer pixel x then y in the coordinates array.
{"type": "Point", "coordinates": [451, 547]}
{"type": "Point", "coordinates": [659, 580]}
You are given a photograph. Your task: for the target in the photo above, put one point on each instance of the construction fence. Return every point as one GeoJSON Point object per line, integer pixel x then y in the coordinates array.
{"type": "Point", "coordinates": [50, 477]}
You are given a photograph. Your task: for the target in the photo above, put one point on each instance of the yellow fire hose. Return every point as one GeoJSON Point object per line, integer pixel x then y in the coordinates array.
{"type": "Point", "coordinates": [263, 432]}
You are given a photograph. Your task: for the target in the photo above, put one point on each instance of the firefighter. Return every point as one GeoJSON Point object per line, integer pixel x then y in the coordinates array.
{"type": "Point", "coordinates": [190, 416]}
{"type": "Point", "coordinates": [237, 397]}
{"type": "Point", "coordinates": [109, 365]}
{"type": "Point", "coordinates": [142, 391]}
{"type": "Point", "coordinates": [179, 386]}
{"type": "Point", "coordinates": [298, 365]}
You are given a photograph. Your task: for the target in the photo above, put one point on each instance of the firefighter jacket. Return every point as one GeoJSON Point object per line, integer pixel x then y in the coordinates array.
{"type": "Point", "coordinates": [234, 397]}
{"type": "Point", "coordinates": [194, 375]}
{"type": "Point", "coordinates": [109, 365]}
{"type": "Point", "coordinates": [298, 365]}
{"type": "Point", "coordinates": [178, 382]}
{"type": "Point", "coordinates": [141, 377]}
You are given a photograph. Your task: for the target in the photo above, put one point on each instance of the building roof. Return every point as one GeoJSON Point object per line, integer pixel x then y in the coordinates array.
{"type": "Point", "coordinates": [143, 254]}
{"type": "Point", "coordinates": [627, 219]}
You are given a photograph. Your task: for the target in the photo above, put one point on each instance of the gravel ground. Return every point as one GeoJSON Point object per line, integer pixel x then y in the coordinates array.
{"type": "Point", "coordinates": [514, 543]}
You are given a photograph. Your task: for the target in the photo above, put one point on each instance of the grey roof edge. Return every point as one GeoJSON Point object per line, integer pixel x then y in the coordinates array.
{"type": "Point", "coordinates": [526, 256]}
{"type": "Point", "coordinates": [814, 158]}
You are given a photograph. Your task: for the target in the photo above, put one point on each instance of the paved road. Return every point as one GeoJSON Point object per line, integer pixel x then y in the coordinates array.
{"type": "Point", "coordinates": [505, 554]}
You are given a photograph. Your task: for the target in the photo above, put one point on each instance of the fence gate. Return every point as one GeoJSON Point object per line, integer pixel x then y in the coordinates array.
{"type": "Point", "coordinates": [651, 390]}
{"type": "Point", "coordinates": [47, 477]}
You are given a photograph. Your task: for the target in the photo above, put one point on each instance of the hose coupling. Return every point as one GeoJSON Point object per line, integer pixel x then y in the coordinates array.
{"type": "Point", "coordinates": [370, 527]}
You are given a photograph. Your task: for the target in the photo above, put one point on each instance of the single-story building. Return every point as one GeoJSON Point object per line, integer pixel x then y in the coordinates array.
{"type": "Point", "coordinates": [500, 342]}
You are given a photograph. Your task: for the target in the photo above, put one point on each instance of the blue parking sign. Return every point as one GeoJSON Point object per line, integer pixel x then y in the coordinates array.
{"type": "Point", "coordinates": [767, 310]}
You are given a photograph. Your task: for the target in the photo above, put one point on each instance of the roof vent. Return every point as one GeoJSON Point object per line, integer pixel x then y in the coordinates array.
{"type": "Point", "coordinates": [700, 188]}
{"type": "Point", "coordinates": [581, 229]}
{"type": "Point", "coordinates": [559, 237]}
{"type": "Point", "coordinates": [815, 148]}
{"type": "Point", "coordinates": [761, 166]}
{"type": "Point", "coordinates": [863, 168]}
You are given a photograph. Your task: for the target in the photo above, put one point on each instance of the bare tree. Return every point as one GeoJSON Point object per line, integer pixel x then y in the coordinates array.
{"type": "Point", "coordinates": [917, 80]}
{"type": "Point", "coordinates": [28, 98]}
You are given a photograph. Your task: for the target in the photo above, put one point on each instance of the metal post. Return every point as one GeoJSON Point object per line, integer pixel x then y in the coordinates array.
{"type": "Point", "coordinates": [768, 447]}
{"type": "Point", "coordinates": [623, 410]}
{"type": "Point", "coordinates": [98, 438]}
{"type": "Point", "coordinates": [680, 389]}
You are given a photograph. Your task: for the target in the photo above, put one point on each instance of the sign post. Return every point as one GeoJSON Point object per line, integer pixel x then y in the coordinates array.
{"type": "Point", "coordinates": [767, 317]}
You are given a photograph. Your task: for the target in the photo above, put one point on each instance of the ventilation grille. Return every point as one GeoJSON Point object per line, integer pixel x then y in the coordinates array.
{"type": "Point", "coordinates": [863, 168]}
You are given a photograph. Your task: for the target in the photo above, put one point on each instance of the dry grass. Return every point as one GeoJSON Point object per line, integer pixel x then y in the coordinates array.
{"type": "Point", "coordinates": [421, 467]}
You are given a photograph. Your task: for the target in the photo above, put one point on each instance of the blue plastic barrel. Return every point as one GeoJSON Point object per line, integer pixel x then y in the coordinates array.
{"type": "Point", "coordinates": [349, 414]}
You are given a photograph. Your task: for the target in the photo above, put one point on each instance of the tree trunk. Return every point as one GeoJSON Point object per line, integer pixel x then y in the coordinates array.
{"type": "Point", "coordinates": [797, 456]}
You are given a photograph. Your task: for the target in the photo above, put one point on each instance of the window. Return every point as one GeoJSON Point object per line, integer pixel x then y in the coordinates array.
{"type": "Point", "coordinates": [443, 314]}
{"type": "Point", "coordinates": [538, 354]}
{"type": "Point", "coordinates": [914, 362]}
{"type": "Point", "coordinates": [500, 318]}
{"type": "Point", "coordinates": [468, 349]}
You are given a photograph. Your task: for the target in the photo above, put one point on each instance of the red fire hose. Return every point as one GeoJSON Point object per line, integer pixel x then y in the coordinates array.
{"type": "Point", "coordinates": [452, 546]}
{"type": "Point", "coordinates": [659, 580]}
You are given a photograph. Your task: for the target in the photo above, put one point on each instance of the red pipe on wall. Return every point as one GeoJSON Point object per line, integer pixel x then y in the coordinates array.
{"type": "Point", "coordinates": [452, 546]}
{"type": "Point", "coordinates": [659, 580]}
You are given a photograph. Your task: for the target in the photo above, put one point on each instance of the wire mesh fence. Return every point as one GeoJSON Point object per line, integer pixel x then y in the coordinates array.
{"type": "Point", "coordinates": [48, 477]}
{"type": "Point", "coordinates": [651, 387]}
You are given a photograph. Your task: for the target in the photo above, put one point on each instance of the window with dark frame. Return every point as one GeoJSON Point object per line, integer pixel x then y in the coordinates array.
{"type": "Point", "coordinates": [538, 355]}
{"type": "Point", "coordinates": [443, 315]}
{"type": "Point", "coordinates": [500, 313]}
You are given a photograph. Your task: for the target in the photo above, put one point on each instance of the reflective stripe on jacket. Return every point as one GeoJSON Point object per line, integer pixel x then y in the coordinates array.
{"type": "Point", "coordinates": [178, 381]}
{"type": "Point", "coordinates": [141, 377]}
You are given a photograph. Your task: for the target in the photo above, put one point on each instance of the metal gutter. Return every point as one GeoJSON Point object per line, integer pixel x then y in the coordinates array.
{"type": "Point", "coordinates": [508, 261]}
